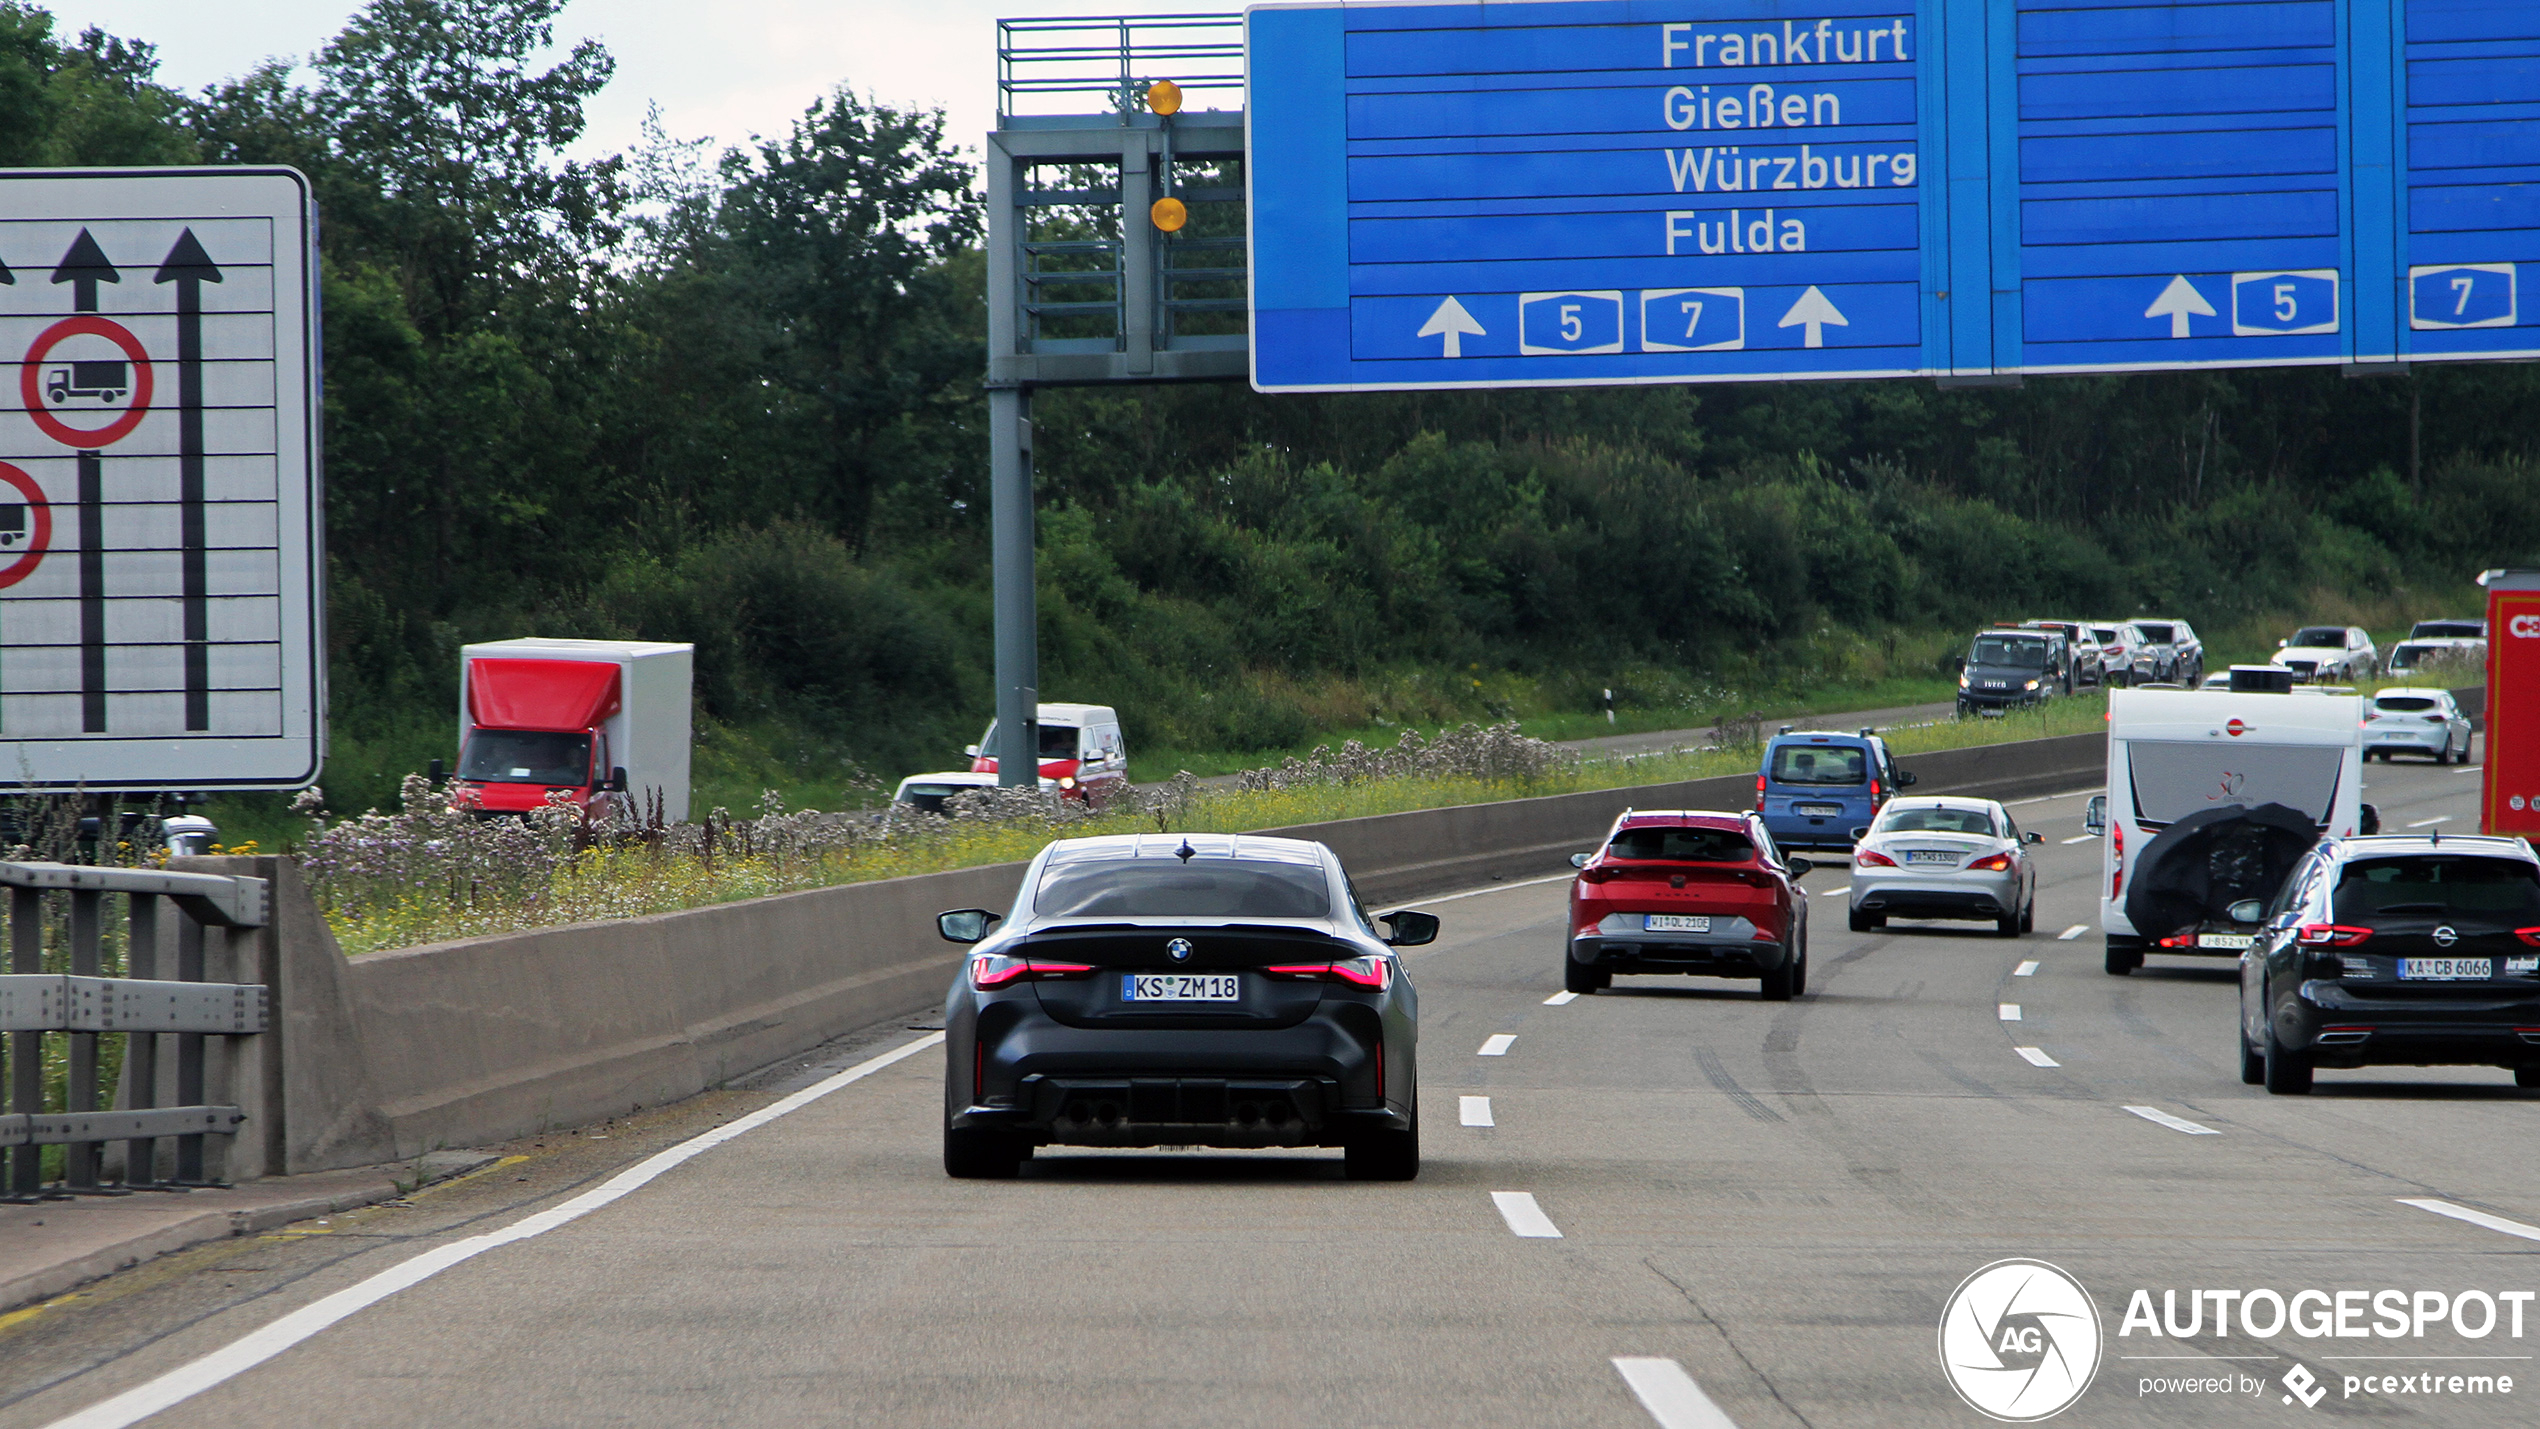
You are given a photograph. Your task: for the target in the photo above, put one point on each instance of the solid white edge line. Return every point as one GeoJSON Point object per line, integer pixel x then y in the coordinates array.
{"type": "Point", "coordinates": [1475, 1111]}
{"type": "Point", "coordinates": [2026, 969]}
{"type": "Point", "coordinates": [1497, 1044]}
{"type": "Point", "coordinates": [2008, 1011]}
{"type": "Point", "coordinates": [2081, 838]}
{"type": "Point", "coordinates": [254, 1348]}
{"type": "Point", "coordinates": [1561, 999]}
{"type": "Point", "coordinates": [1527, 1219]}
{"type": "Point", "coordinates": [2476, 1218]}
{"type": "Point", "coordinates": [2072, 932]}
{"type": "Point", "coordinates": [1670, 1395]}
{"type": "Point", "coordinates": [2158, 1117]}
{"type": "Point", "coordinates": [2429, 823]}
{"type": "Point", "coordinates": [1493, 888]}
{"type": "Point", "coordinates": [2036, 1057]}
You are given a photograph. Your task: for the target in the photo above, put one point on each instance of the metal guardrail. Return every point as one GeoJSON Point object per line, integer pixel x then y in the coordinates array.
{"type": "Point", "coordinates": [83, 1005]}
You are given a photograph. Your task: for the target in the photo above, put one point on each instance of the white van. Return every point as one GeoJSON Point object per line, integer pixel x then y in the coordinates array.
{"type": "Point", "coordinates": [2212, 797]}
{"type": "Point", "coordinates": [1082, 754]}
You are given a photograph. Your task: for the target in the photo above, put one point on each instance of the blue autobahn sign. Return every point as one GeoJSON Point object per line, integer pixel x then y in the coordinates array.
{"type": "Point", "coordinates": [1552, 192]}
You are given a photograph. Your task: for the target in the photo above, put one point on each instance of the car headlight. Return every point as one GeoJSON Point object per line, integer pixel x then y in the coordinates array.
{"type": "Point", "coordinates": [1962, 680]}
{"type": "Point", "coordinates": [2031, 685]}
{"type": "Point", "coordinates": [1067, 781]}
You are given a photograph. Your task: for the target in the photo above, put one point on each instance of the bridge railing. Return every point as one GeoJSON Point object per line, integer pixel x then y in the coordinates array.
{"type": "Point", "coordinates": [181, 1027]}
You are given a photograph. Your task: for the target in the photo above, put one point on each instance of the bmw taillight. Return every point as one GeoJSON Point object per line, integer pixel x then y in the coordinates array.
{"type": "Point", "coordinates": [1999, 863]}
{"type": "Point", "coordinates": [1872, 858]}
{"type": "Point", "coordinates": [2330, 935]}
{"type": "Point", "coordinates": [1375, 974]}
{"type": "Point", "coordinates": [990, 971]}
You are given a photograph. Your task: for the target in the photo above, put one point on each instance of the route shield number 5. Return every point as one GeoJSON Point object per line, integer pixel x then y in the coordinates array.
{"type": "Point", "coordinates": [2281, 304]}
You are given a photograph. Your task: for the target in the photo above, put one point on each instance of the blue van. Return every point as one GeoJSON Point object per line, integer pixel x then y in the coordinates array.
{"type": "Point", "coordinates": [1817, 787]}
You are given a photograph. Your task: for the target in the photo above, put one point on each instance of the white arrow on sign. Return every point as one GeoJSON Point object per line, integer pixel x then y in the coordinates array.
{"type": "Point", "coordinates": [1814, 311]}
{"type": "Point", "coordinates": [1454, 322]}
{"type": "Point", "coordinates": [2176, 302]}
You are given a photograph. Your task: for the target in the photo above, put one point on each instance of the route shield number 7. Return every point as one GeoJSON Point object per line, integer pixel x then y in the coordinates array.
{"type": "Point", "coordinates": [1693, 320]}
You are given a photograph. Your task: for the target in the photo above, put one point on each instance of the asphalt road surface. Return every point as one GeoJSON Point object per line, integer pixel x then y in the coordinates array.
{"type": "Point", "coordinates": [1669, 1203]}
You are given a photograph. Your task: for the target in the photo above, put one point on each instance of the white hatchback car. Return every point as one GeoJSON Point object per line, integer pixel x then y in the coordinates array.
{"type": "Point", "coordinates": [2427, 722]}
{"type": "Point", "coordinates": [1938, 856]}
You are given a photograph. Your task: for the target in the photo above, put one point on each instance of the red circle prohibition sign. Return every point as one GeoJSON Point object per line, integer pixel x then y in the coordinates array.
{"type": "Point", "coordinates": [31, 385]}
{"type": "Point", "coordinates": [39, 526]}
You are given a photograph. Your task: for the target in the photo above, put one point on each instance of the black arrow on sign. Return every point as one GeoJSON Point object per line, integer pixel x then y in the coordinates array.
{"type": "Point", "coordinates": [189, 267]}
{"type": "Point", "coordinates": [84, 267]}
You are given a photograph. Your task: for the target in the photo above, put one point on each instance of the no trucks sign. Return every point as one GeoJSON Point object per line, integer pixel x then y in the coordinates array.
{"type": "Point", "coordinates": [159, 500]}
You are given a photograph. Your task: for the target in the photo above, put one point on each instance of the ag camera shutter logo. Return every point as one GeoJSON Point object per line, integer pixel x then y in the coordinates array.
{"type": "Point", "coordinates": [2020, 1341]}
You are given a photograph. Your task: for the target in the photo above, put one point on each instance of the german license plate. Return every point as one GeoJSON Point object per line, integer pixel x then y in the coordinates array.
{"type": "Point", "coordinates": [1674, 923]}
{"type": "Point", "coordinates": [2225, 940]}
{"type": "Point", "coordinates": [1816, 811]}
{"type": "Point", "coordinates": [2446, 969]}
{"type": "Point", "coordinates": [1177, 987]}
{"type": "Point", "coordinates": [1921, 856]}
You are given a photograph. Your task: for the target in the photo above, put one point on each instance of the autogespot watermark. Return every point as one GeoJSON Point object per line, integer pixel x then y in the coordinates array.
{"type": "Point", "coordinates": [2021, 1340]}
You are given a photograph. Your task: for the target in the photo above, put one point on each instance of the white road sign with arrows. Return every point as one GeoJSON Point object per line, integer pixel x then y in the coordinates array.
{"type": "Point", "coordinates": [159, 523]}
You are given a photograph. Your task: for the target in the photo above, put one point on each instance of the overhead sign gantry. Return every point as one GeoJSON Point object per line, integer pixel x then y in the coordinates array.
{"type": "Point", "coordinates": [1556, 192]}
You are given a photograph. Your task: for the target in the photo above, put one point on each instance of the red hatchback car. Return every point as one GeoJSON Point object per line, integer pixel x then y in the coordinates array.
{"type": "Point", "coordinates": [1684, 891]}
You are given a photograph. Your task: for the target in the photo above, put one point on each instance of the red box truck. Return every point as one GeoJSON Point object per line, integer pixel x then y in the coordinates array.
{"type": "Point", "coordinates": [601, 721]}
{"type": "Point", "coordinates": [2509, 782]}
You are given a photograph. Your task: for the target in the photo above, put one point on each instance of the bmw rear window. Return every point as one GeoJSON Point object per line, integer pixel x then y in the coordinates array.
{"type": "Point", "coordinates": [2439, 886]}
{"type": "Point", "coordinates": [1173, 888]}
{"type": "Point", "coordinates": [1682, 845]}
{"type": "Point", "coordinates": [1820, 764]}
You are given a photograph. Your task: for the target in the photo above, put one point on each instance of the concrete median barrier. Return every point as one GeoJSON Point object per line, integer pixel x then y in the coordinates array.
{"type": "Point", "coordinates": [481, 1040]}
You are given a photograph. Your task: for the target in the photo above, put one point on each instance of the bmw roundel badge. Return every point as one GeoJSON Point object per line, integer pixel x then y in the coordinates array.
{"type": "Point", "coordinates": [1179, 950]}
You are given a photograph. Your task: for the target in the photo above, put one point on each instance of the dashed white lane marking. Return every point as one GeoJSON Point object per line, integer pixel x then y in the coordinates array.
{"type": "Point", "coordinates": [1497, 1044]}
{"type": "Point", "coordinates": [1527, 1219]}
{"type": "Point", "coordinates": [2081, 838]}
{"type": "Point", "coordinates": [2159, 1117]}
{"type": "Point", "coordinates": [1670, 1395]}
{"type": "Point", "coordinates": [2429, 823]}
{"type": "Point", "coordinates": [2026, 969]}
{"type": "Point", "coordinates": [2476, 1218]}
{"type": "Point", "coordinates": [1476, 1111]}
{"type": "Point", "coordinates": [2072, 932]}
{"type": "Point", "coordinates": [2037, 1057]}
{"type": "Point", "coordinates": [1839, 892]}
{"type": "Point", "coordinates": [2471, 769]}
{"type": "Point", "coordinates": [250, 1350]}
{"type": "Point", "coordinates": [2010, 1011]}
{"type": "Point", "coordinates": [1561, 999]}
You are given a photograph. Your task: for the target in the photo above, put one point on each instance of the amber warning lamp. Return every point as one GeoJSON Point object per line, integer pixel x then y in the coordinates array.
{"type": "Point", "coordinates": [1164, 97]}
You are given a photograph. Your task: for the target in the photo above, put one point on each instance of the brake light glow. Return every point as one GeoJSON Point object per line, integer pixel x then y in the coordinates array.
{"type": "Point", "coordinates": [1759, 793]}
{"type": "Point", "coordinates": [2331, 935]}
{"type": "Point", "coordinates": [1874, 791]}
{"type": "Point", "coordinates": [2179, 940]}
{"type": "Point", "coordinates": [1372, 973]}
{"type": "Point", "coordinates": [2529, 935]}
{"type": "Point", "coordinates": [1999, 863]}
{"type": "Point", "coordinates": [1872, 858]}
{"type": "Point", "coordinates": [990, 971]}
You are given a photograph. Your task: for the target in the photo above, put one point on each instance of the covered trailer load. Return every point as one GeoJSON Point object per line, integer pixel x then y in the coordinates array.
{"type": "Point", "coordinates": [604, 722]}
{"type": "Point", "coordinates": [2212, 797]}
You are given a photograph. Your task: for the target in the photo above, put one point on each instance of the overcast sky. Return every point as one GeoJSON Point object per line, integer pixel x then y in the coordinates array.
{"type": "Point", "coordinates": [719, 71]}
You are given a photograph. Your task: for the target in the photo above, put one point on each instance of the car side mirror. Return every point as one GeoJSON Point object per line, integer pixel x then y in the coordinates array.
{"type": "Point", "coordinates": [966, 925]}
{"type": "Point", "coordinates": [1800, 867]}
{"type": "Point", "coordinates": [1408, 929]}
{"type": "Point", "coordinates": [2032, 836]}
{"type": "Point", "coordinates": [2247, 910]}
{"type": "Point", "coordinates": [2094, 815]}
{"type": "Point", "coordinates": [2284, 921]}
{"type": "Point", "coordinates": [1905, 779]}
{"type": "Point", "coordinates": [2281, 644]}
{"type": "Point", "coordinates": [1860, 833]}
{"type": "Point", "coordinates": [617, 780]}
{"type": "Point", "coordinates": [2370, 823]}
{"type": "Point", "coordinates": [1580, 860]}
{"type": "Point", "coordinates": [970, 749]}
